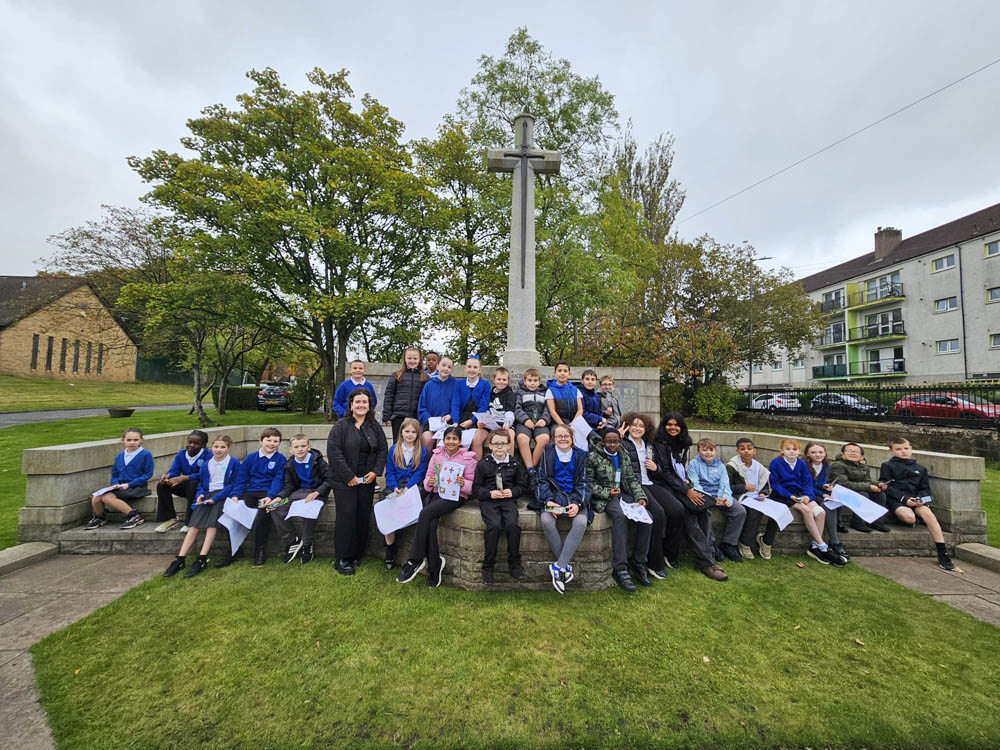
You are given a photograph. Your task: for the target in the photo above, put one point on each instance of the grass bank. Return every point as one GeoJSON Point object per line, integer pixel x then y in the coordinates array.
{"type": "Point", "coordinates": [295, 656]}
{"type": "Point", "coordinates": [33, 394]}
{"type": "Point", "coordinates": [14, 440]}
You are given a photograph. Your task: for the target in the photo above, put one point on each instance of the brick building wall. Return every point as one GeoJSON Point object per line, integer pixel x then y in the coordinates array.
{"type": "Point", "coordinates": [71, 338]}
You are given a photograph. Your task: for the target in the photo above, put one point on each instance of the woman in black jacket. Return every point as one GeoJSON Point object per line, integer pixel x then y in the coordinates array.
{"type": "Point", "coordinates": [670, 451]}
{"type": "Point", "coordinates": [402, 392]}
{"type": "Point", "coordinates": [356, 449]}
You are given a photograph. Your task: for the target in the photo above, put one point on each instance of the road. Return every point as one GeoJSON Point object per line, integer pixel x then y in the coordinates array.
{"type": "Point", "coordinates": [10, 418]}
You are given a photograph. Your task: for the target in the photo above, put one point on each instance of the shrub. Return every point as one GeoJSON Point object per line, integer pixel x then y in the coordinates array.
{"type": "Point", "coordinates": [306, 393]}
{"type": "Point", "coordinates": [672, 398]}
{"type": "Point", "coordinates": [715, 402]}
{"type": "Point", "coordinates": [238, 397]}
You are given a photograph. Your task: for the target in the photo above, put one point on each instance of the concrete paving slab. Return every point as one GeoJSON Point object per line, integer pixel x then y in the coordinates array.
{"type": "Point", "coordinates": [922, 574]}
{"type": "Point", "coordinates": [976, 606]}
{"type": "Point", "coordinates": [26, 630]}
{"type": "Point", "coordinates": [85, 574]}
{"type": "Point", "coordinates": [995, 598]}
{"type": "Point", "coordinates": [22, 555]}
{"type": "Point", "coordinates": [972, 572]}
{"type": "Point", "coordinates": [47, 576]}
{"type": "Point", "coordinates": [9, 655]}
{"type": "Point", "coordinates": [15, 605]}
{"type": "Point", "coordinates": [21, 716]}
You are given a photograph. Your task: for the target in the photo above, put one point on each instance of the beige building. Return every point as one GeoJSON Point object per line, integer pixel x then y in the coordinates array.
{"type": "Point", "coordinates": [58, 328]}
{"type": "Point", "coordinates": [925, 309]}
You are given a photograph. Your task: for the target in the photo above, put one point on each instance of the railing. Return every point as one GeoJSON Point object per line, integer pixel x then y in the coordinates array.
{"type": "Point", "coordinates": [957, 404]}
{"type": "Point", "coordinates": [832, 305]}
{"type": "Point", "coordinates": [876, 331]}
{"type": "Point", "coordinates": [869, 296]}
{"type": "Point", "coordinates": [863, 368]}
{"type": "Point", "coordinates": [831, 339]}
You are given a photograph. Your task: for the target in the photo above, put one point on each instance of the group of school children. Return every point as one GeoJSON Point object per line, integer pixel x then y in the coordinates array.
{"type": "Point", "coordinates": [532, 454]}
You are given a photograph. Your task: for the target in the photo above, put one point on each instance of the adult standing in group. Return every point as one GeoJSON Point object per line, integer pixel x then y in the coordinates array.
{"type": "Point", "coordinates": [670, 452]}
{"type": "Point", "coordinates": [355, 450]}
{"type": "Point", "coordinates": [402, 392]}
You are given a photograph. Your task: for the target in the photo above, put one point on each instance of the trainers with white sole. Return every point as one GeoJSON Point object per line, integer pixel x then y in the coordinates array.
{"type": "Point", "coordinates": [765, 549]}
{"type": "Point", "coordinates": [746, 552]}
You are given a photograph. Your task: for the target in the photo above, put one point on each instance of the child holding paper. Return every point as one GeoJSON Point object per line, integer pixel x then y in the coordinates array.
{"type": "Point", "coordinates": [435, 401]}
{"type": "Point", "coordinates": [908, 490]}
{"type": "Point", "coordinates": [499, 481]}
{"type": "Point", "coordinates": [502, 403]}
{"type": "Point", "coordinates": [257, 485]}
{"type": "Point", "coordinates": [531, 419]}
{"type": "Point", "coordinates": [425, 551]}
{"type": "Point", "coordinates": [635, 445]}
{"type": "Point", "coordinates": [562, 489]}
{"type": "Point", "coordinates": [181, 479]}
{"type": "Point", "coordinates": [405, 467]}
{"type": "Point", "coordinates": [850, 470]}
{"type": "Point", "coordinates": [306, 477]}
{"type": "Point", "coordinates": [130, 474]}
{"type": "Point", "coordinates": [792, 485]}
{"type": "Point", "coordinates": [747, 475]}
{"type": "Point", "coordinates": [216, 480]}
{"type": "Point", "coordinates": [709, 477]}
{"type": "Point", "coordinates": [591, 400]}
{"type": "Point", "coordinates": [562, 398]}
{"type": "Point", "coordinates": [819, 468]}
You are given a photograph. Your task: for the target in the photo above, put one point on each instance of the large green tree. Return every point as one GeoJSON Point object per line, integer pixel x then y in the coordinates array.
{"type": "Point", "coordinates": [315, 202]}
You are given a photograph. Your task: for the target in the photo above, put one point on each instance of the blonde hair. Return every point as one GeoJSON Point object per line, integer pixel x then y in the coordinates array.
{"type": "Point", "coordinates": [223, 439]}
{"type": "Point", "coordinates": [298, 436]}
{"type": "Point", "coordinates": [397, 453]}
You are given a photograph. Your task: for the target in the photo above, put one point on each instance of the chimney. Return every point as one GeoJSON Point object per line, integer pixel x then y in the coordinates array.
{"type": "Point", "coordinates": [887, 239]}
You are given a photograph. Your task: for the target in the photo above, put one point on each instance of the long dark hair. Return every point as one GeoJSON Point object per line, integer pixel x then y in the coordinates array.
{"type": "Point", "coordinates": [676, 444]}
{"type": "Point", "coordinates": [362, 391]}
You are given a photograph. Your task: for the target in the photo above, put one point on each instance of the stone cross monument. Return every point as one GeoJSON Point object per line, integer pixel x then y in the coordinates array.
{"type": "Point", "coordinates": [525, 162]}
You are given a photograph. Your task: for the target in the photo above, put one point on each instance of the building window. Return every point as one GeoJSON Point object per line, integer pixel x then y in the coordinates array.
{"type": "Point", "coordinates": [62, 355]}
{"type": "Point", "coordinates": [946, 304]}
{"type": "Point", "coordinates": [832, 300]}
{"type": "Point", "coordinates": [947, 346]}
{"type": "Point", "coordinates": [834, 333]}
{"type": "Point", "coordinates": [993, 249]}
{"type": "Point", "coordinates": [100, 358]}
{"type": "Point", "coordinates": [90, 351]}
{"type": "Point", "coordinates": [943, 264]}
{"type": "Point", "coordinates": [76, 356]}
{"type": "Point", "coordinates": [757, 369]}
{"type": "Point", "coordinates": [776, 365]}
{"type": "Point", "coordinates": [882, 287]}
{"type": "Point", "coordinates": [799, 363]}
{"type": "Point", "coordinates": [48, 354]}
{"type": "Point", "coordinates": [995, 341]}
{"type": "Point", "coordinates": [34, 352]}
{"type": "Point", "coordinates": [993, 295]}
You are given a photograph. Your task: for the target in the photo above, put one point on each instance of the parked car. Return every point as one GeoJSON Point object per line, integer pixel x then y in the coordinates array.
{"type": "Point", "coordinates": [775, 402]}
{"type": "Point", "coordinates": [946, 405]}
{"type": "Point", "coordinates": [845, 403]}
{"type": "Point", "coordinates": [275, 394]}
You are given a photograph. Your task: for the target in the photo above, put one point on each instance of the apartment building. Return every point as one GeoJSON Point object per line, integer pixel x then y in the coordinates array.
{"type": "Point", "coordinates": [921, 310]}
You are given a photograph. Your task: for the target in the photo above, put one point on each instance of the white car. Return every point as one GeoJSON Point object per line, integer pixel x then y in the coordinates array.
{"type": "Point", "coordinates": [775, 402]}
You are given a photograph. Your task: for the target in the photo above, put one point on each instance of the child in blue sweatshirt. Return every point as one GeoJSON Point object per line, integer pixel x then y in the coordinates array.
{"type": "Point", "coordinates": [132, 470]}
{"type": "Point", "coordinates": [435, 400]}
{"type": "Point", "coordinates": [216, 479]}
{"type": "Point", "coordinates": [590, 400]}
{"type": "Point", "coordinates": [258, 484]}
{"type": "Point", "coordinates": [563, 398]}
{"type": "Point", "coordinates": [470, 395]}
{"type": "Point", "coordinates": [709, 477]}
{"type": "Point", "coordinates": [357, 380]}
{"type": "Point", "coordinates": [181, 479]}
{"type": "Point", "coordinates": [405, 467]}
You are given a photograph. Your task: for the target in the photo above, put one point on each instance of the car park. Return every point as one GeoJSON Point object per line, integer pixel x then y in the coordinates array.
{"type": "Point", "coordinates": [845, 403]}
{"type": "Point", "coordinates": [275, 394]}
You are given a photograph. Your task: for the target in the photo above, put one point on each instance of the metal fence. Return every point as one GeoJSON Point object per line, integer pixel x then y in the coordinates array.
{"type": "Point", "coordinates": [966, 405]}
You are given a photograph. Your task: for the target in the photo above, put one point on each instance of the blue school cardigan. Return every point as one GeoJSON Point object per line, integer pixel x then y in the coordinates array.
{"type": "Point", "coordinates": [435, 398]}
{"type": "Point", "coordinates": [181, 464]}
{"type": "Point", "coordinates": [229, 481]}
{"type": "Point", "coordinates": [786, 481]}
{"type": "Point", "coordinates": [260, 474]}
{"type": "Point", "coordinates": [344, 390]}
{"type": "Point", "coordinates": [591, 405]}
{"type": "Point", "coordinates": [138, 471]}
{"type": "Point", "coordinates": [480, 394]}
{"type": "Point", "coordinates": [409, 475]}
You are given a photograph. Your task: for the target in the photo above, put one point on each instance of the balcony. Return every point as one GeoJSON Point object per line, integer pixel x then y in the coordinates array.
{"type": "Point", "coordinates": [829, 340]}
{"type": "Point", "coordinates": [832, 305]}
{"type": "Point", "coordinates": [878, 332]}
{"type": "Point", "coordinates": [877, 368]}
{"type": "Point", "coordinates": [880, 295]}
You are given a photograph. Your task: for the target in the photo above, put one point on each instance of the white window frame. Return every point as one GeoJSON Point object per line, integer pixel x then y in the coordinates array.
{"type": "Point", "coordinates": [777, 365]}
{"type": "Point", "coordinates": [989, 293]}
{"type": "Point", "coordinates": [944, 266]}
{"type": "Point", "coordinates": [995, 341]}
{"type": "Point", "coordinates": [799, 363]}
{"type": "Point", "coordinates": [881, 287]}
{"type": "Point", "coordinates": [949, 350]}
{"type": "Point", "coordinates": [992, 249]}
{"type": "Point", "coordinates": [758, 369]}
{"type": "Point", "coordinates": [949, 307]}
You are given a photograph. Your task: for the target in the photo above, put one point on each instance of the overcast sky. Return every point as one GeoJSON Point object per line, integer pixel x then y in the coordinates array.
{"type": "Point", "coordinates": [746, 88]}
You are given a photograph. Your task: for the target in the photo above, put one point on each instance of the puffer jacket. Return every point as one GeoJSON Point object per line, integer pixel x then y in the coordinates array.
{"type": "Point", "coordinates": [530, 405]}
{"type": "Point", "coordinates": [601, 475]}
{"type": "Point", "coordinates": [402, 395]}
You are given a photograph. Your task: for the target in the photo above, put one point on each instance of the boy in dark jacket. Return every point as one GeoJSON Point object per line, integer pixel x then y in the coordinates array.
{"type": "Point", "coordinates": [591, 400]}
{"type": "Point", "coordinates": [851, 471]}
{"type": "Point", "coordinates": [499, 481]}
{"type": "Point", "coordinates": [305, 478]}
{"type": "Point", "coordinates": [613, 482]}
{"type": "Point", "coordinates": [531, 419]}
{"type": "Point", "coordinates": [503, 401]}
{"type": "Point", "coordinates": [908, 491]}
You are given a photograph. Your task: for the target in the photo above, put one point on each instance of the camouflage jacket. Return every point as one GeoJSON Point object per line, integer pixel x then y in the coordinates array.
{"type": "Point", "coordinates": [601, 475]}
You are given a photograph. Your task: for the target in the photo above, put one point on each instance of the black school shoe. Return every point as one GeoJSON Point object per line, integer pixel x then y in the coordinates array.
{"type": "Point", "coordinates": [487, 576]}
{"type": "Point", "coordinates": [199, 565]}
{"type": "Point", "coordinates": [839, 549]}
{"type": "Point", "coordinates": [175, 567]}
{"type": "Point", "coordinates": [640, 575]}
{"type": "Point", "coordinates": [307, 553]}
{"type": "Point", "coordinates": [624, 580]}
{"type": "Point", "coordinates": [944, 561]}
{"type": "Point", "coordinates": [858, 525]}
{"type": "Point", "coordinates": [834, 557]}
{"type": "Point", "coordinates": [517, 572]}
{"type": "Point", "coordinates": [344, 567]}
{"type": "Point", "coordinates": [229, 559]}
{"type": "Point", "coordinates": [879, 526]}
{"type": "Point", "coordinates": [717, 553]}
{"type": "Point", "coordinates": [731, 552]}
{"type": "Point", "coordinates": [259, 556]}
{"type": "Point", "coordinates": [842, 528]}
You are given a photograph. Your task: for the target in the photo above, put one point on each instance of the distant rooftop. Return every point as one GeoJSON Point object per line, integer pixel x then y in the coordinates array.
{"type": "Point", "coordinates": [20, 296]}
{"type": "Point", "coordinates": [968, 227]}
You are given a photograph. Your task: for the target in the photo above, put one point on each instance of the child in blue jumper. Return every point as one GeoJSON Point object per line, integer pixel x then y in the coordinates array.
{"type": "Point", "coordinates": [590, 399]}
{"type": "Point", "coordinates": [405, 467]}
{"type": "Point", "coordinates": [258, 484]}
{"type": "Point", "coordinates": [435, 400]}
{"type": "Point", "coordinates": [132, 470]}
{"type": "Point", "coordinates": [562, 398]}
{"type": "Point", "coordinates": [181, 479]}
{"type": "Point", "coordinates": [470, 395]}
{"type": "Point", "coordinates": [356, 380]}
{"type": "Point", "coordinates": [708, 476]}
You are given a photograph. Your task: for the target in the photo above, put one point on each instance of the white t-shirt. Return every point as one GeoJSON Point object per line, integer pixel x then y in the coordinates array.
{"type": "Point", "coordinates": [642, 452]}
{"type": "Point", "coordinates": [217, 474]}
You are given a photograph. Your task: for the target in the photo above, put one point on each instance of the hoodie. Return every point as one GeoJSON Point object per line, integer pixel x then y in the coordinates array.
{"type": "Point", "coordinates": [435, 398]}
{"type": "Point", "coordinates": [501, 402]}
{"type": "Point", "coordinates": [565, 397]}
{"type": "Point", "coordinates": [530, 405]}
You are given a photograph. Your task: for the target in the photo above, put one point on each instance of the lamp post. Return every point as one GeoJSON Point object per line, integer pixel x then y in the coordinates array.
{"type": "Point", "coordinates": [753, 264]}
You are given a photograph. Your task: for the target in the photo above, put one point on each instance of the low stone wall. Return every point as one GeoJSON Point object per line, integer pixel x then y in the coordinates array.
{"type": "Point", "coordinates": [984, 443]}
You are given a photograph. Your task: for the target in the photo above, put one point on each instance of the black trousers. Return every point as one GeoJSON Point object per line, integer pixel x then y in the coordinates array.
{"type": "Point", "coordinates": [397, 423]}
{"type": "Point", "coordinates": [425, 539]}
{"type": "Point", "coordinates": [354, 511]}
{"type": "Point", "coordinates": [165, 498]}
{"type": "Point", "coordinates": [501, 515]}
{"type": "Point", "coordinates": [752, 525]}
{"type": "Point", "coordinates": [673, 528]}
{"type": "Point", "coordinates": [657, 499]}
{"type": "Point", "coordinates": [619, 535]}
{"type": "Point", "coordinates": [262, 523]}
{"type": "Point", "coordinates": [692, 526]}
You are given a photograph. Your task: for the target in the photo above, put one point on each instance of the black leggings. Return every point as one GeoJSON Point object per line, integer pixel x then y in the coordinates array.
{"type": "Point", "coordinates": [425, 540]}
{"type": "Point", "coordinates": [165, 498]}
{"type": "Point", "coordinates": [354, 510]}
{"type": "Point", "coordinates": [680, 521]}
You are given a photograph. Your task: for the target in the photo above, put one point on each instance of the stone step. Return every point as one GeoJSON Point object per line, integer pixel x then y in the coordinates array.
{"type": "Point", "coordinates": [980, 554]}
{"type": "Point", "coordinates": [22, 555]}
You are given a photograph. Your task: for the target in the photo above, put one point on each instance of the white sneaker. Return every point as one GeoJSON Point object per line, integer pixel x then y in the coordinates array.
{"type": "Point", "coordinates": [557, 581]}
{"type": "Point", "coordinates": [184, 529]}
{"type": "Point", "coordinates": [568, 574]}
{"type": "Point", "coordinates": [746, 552]}
{"type": "Point", "coordinates": [164, 527]}
{"type": "Point", "coordinates": [765, 549]}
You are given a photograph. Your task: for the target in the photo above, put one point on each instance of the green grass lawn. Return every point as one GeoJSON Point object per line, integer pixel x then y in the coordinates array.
{"type": "Point", "coordinates": [14, 440]}
{"type": "Point", "coordinates": [30, 394]}
{"type": "Point", "coordinates": [296, 656]}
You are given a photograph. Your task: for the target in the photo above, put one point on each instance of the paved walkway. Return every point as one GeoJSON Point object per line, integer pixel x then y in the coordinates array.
{"type": "Point", "coordinates": [9, 418]}
{"type": "Point", "coordinates": [39, 600]}
{"type": "Point", "coordinates": [975, 590]}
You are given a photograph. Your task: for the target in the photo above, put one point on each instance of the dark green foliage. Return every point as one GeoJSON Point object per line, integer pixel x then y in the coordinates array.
{"type": "Point", "coordinates": [672, 398]}
{"type": "Point", "coordinates": [715, 402]}
{"type": "Point", "coordinates": [238, 397]}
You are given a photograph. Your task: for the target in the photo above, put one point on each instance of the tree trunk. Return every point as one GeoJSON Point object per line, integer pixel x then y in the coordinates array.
{"type": "Point", "coordinates": [223, 392]}
{"type": "Point", "coordinates": [328, 362]}
{"type": "Point", "coordinates": [199, 410]}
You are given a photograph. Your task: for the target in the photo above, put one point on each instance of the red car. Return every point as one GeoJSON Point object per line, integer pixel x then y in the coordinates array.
{"type": "Point", "coordinates": [946, 405]}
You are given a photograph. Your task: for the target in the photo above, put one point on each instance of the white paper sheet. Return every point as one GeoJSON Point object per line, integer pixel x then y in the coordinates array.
{"type": "Point", "coordinates": [237, 532]}
{"type": "Point", "coordinates": [102, 491]}
{"type": "Point", "coordinates": [447, 480]}
{"type": "Point", "coordinates": [861, 506]}
{"type": "Point", "coordinates": [398, 512]}
{"type": "Point", "coordinates": [490, 421]}
{"type": "Point", "coordinates": [580, 432]}
{"type": "Point", "coordinates": [436, 424]}
{"type": "Point", "coordinates": [240, 511]}
{"type": "Point", "coordinates": [635, 512]}
{"type": "Point", "coordinates": [467, 436]}
{"type": "Point", "coordinates": [302, 509]}
{"type": "Point", "coordinates": [770, 508]}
